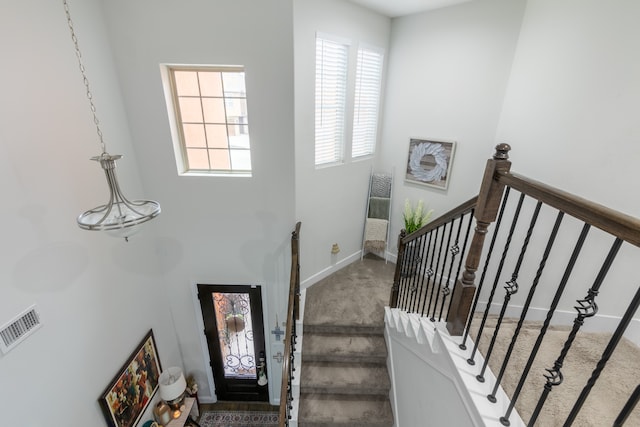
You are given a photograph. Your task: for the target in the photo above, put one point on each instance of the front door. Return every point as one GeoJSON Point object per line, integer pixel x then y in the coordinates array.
{"type": "Point", "coordinates": [235, 336]}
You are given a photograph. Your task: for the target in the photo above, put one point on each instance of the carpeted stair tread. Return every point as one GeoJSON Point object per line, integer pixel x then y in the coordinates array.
{"type": "Point", "coordinates": [344, 348]}
{"type": "Point", "coordinates": [344, 379]}
{"type": "Point", "coordinates": [340, 329]}
{"type": "Point", "coordinates": [330, 410]}
{"type": "Point", "coordinates": [339, 378]}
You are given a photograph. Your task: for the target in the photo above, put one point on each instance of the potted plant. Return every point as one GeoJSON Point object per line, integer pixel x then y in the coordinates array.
{"type": "Point", "coordinates": [414, 219]}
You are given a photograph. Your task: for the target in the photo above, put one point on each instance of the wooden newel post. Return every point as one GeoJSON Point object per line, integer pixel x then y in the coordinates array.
{"type": "Point", "coordinates": [393, 300]}
{"type": "Point", "coordinates": [489, 199]}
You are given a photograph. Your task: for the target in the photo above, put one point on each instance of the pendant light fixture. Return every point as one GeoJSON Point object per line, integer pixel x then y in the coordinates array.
{"type": "Point", "coordinates": [119, 217]}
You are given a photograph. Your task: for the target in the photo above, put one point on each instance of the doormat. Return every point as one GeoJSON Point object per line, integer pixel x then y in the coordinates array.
{"type": "Point", "coordinates": [238, 419]}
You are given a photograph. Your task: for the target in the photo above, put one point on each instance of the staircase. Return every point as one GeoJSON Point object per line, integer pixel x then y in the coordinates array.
{"type": "Point", "coordinates": [344, 379]}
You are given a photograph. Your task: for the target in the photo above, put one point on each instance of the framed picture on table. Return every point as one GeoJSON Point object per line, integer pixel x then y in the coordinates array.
{"type": "Point", "coordinates": [429, 162]}
{"type": "Point", "coordinates": [126, 398]}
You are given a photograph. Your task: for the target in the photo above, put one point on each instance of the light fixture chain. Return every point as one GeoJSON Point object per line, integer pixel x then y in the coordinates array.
{"type": "Point", "coordinates": [84, 76]}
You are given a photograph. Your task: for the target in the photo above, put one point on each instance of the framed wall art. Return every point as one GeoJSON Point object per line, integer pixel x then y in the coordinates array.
{"type": "Point", "coordinates": [429, 162]}
{"type": "Point", "coordinates": [130, 392]}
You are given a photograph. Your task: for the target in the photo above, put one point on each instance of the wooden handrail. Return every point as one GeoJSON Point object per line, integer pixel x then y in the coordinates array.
{"type": "Point", "coordinates": [498, 176]}
{"type": "Point", "coordinates": [292, 315]}
{"type": "Point", "coordinates": [442, 219]}
{"type": "Point", "coordinates": [613, 222]}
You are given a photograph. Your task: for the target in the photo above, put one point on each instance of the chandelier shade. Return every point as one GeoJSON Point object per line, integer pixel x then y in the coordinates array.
{"type": "Point", "coordinates": [119, 217]}
{"type": "Point", "coordinates": [119, 212]}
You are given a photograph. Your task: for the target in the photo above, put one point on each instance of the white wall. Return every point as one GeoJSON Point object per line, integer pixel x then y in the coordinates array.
{"type": "Point", "coordinates": [447, 75]}
{"type": "Point", "coordinates": [572, 99]}
{"type": "Point", "coordinates": [330, 201]}
{"type": "Point", "coordinates": [570, 114]}
{"type": "Point", "coordinates": [97, 296]}
{"type": "Point", "coordinates": [214, 230]}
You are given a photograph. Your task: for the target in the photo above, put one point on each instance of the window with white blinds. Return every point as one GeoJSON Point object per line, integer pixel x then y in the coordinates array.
{"type": "Point", "coordinates": [332, 57]}
{"type": "Point", "coordinates": [367, 101]}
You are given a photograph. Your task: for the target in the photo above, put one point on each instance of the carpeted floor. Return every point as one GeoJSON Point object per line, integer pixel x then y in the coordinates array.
{"type": "Point", "coordinates": [344, 380]}
{"type": "Point", "coordinates": [238, 419]}
{"type": "Point", "coordinates": [618, 380]}
{"type": "Point", "coordinates": [354, 296]}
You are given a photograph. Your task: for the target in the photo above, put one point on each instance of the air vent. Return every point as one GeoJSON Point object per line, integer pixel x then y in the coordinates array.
{"type": "Point", "coordinates": [19, 328]}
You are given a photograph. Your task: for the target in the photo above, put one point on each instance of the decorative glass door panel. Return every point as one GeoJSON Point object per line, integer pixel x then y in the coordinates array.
{"type": "Point", "coordinates": [235, 332]}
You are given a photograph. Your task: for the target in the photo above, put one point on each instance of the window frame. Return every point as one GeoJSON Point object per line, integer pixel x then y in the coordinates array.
{"type": "Point", "coordinates": [176, 124]}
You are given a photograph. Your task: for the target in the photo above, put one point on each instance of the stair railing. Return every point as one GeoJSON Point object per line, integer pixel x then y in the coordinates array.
{"type": "Point", "coordinates": [425, 262]}
{"type": "Point", "coordinates": [293, 314]}
{"type": "Point", "coordinates": [496, 205]}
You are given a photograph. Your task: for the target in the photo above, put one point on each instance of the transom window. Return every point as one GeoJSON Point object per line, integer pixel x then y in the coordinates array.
{"type": "Point", "coordinates": [211, 120]}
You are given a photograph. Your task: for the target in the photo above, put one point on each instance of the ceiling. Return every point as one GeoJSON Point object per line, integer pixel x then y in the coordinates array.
{"type": "Point", "coordinates": [396, 8]}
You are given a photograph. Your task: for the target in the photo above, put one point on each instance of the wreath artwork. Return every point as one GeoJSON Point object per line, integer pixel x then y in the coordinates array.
{"type": "Point", "coordinates": [429, 162]}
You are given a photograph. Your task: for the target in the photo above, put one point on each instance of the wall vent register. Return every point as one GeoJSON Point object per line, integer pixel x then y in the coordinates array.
{"type": "Point", "coordinates": [18, 329]}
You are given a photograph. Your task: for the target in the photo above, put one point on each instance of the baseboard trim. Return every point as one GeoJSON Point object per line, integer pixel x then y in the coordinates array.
{"type": "Point", "coordinates": [329, 270]}
{"type": "Point", "coordinates": [597, 323]}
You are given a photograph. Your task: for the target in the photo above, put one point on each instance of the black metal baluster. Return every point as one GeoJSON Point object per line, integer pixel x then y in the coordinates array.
{"type": "Point", "coordinates": [403, 293]}
{"type": "Point", "coordinates": [462, 253]}
{"type": "Point", "coordinates": [290, 387]}
{"type": "Point", "coordinates": [429, 271]}
{"type": "Point", "coordinates": [496, 229]}
{"type": "Point", "coordinates": [628, 408]}
{"type": "Point", "coordinates": [420, 242]}
{"type": "Point", "coordinates": [289, 406]}
{"type": "Point", "coordinates": [554, 232]}
{"type": "Point", "coordinates": [402, 279]}
{"type": "Point", "coordinates": [419, 270]}
{"type": "Point", "coordinates": [414, 264]}
{"type": "Point", "coordinates": [454, 250]}
{"type": "Point", "coordinates": [407, 265]}
{"type": "Point", "coordinates": [293, 359]}
{"type": "Point", "coordinates": [430, 274]}
{"type": "Point", "coordinates": [422, 290]}
{"type": "Point", "coordinates": [516, 216]}
{"type": "Point", "coordinates": [432, 311]}
{"type": "Point", "coordinates": [586, 308]}
{"type": "Point", "coordinates": [442, 268]}
{"type": "Point", "coordinates": [423, 268]}
{"type": "Point", "coordinates": [606, 355]}
{"type": "Point", "coordinates": [408, 255]}
{"type": "Point", "coordinates": [396, 287]}
{"type": "Point", "coordinates": [511, 288]}
{"type": "Point", "coordinates": [547, 321]}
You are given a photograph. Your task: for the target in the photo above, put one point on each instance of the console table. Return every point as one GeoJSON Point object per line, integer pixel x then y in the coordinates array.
{"type": "Point", "coordinates": [189, 411]}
